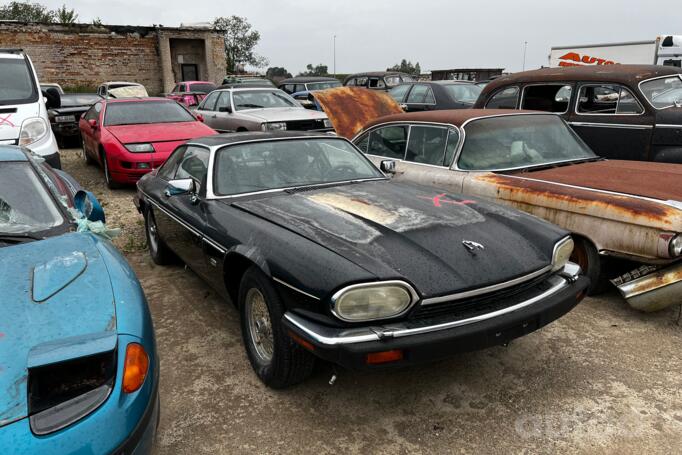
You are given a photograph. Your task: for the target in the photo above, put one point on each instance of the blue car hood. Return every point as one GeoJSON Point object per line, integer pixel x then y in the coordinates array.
{"type": "Point", "coordinates": [56, 300]}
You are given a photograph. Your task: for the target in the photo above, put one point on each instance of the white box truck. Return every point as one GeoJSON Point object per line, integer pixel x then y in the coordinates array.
{"type": "Point", "coordinates": [664, 50]}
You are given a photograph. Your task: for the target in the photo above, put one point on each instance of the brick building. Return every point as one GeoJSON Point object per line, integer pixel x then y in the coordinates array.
{"type": "Point", "coordinates": [83, 55]}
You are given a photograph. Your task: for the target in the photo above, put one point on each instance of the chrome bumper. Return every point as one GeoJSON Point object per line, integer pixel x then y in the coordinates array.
{"type": "Point", "coordinates": [654, 291]}
{"type": "Point", "coordinates": [330, 336]}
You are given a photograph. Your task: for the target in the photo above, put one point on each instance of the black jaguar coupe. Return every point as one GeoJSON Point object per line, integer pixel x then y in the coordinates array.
{"type": "Point", "coordinates": [326, 257]}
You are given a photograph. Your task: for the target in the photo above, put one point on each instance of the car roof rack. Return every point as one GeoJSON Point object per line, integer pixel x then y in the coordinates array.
{"type": "Point", "coordinates": [10, 50]}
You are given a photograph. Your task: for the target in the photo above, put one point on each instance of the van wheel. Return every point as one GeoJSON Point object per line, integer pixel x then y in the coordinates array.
{"type": "Point", "coordinates": [586, 256]}
{"type": "Point", "coordinates": [107, 174]}
{"type": "Point", "coordinates": [158, 250]}
{"type": "Point", "coordinates": [276, 359]}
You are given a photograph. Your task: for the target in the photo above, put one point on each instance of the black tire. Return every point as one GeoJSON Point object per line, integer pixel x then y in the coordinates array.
{"type": "Point", "coordinates": [107, 175]}
{"type": "Point", "coordinates": [158, 250]}
{"type": "Point", "coordinates": [586, 256]}
{"type": "Point", "coordinates": [289, 363]}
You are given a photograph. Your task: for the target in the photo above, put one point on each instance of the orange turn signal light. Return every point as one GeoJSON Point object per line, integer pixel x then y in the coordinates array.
{"type": "Point", "coordinates": [306, 344]}
{"type": "Point", "coordinates": [135, 367]}
{"type": "Point", "coordinates": [375, 358]}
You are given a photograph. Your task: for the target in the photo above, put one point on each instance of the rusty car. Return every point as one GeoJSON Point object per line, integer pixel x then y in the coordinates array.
{"type": "Point", "coordinates": [326, 257]}
{"type": "Point", "coordinates": [626, 216]}
{"type": "Point", "coordinates": [628, 112]}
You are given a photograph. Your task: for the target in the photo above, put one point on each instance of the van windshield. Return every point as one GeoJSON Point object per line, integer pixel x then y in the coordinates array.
{"type": "Point", "coordinates": [17, 86]}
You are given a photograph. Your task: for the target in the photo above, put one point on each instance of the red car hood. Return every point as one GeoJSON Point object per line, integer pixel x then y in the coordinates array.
{"type": "Point", "coordinates": [159, 132]}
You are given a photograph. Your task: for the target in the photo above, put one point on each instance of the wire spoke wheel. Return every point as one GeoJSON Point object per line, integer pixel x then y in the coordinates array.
{"type": "Point", "coordinates": [260, 326]}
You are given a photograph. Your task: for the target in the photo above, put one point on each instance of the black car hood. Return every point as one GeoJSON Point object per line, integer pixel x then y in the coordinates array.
{"type": "Point", "coordinates": [403, 231]}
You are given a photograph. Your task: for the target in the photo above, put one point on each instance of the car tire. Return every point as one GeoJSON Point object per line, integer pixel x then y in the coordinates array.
{"type": "Point", "coordinates": [107, 174]}
{"type": "Point", "coordinates": [158, 250]}
{"type": "Point", "coordinates": [586, 256]}
{"type": "Point", "coordinates": [276, 359]}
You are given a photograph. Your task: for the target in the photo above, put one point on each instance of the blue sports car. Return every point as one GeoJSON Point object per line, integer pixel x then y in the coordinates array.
{"type": "Point", "coordinates": [79, 371]}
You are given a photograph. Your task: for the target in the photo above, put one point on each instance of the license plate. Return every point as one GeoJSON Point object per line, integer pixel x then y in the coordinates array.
{"type": "Point", "coordinates": [65, 118]}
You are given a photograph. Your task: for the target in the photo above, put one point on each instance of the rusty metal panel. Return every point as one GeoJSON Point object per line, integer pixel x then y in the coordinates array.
{"type": "Point", "coordinates": [647, 291]}
{"type": "Point", "coordinates": [351, 108]}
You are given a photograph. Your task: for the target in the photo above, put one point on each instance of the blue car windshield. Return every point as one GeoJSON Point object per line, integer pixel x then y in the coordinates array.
{"type": "Point", "coordinates": [25, 204]}
{"type": "Point", "coordinates": [268, 165]}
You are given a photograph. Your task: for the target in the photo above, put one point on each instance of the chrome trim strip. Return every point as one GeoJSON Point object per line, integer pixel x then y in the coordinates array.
{"type": "Point", "coordinates": [487, 289]}
{"type": "Point", "coordinates": [612, 125]}
{"type": "Point", "coordinates": [667, 125]}
{"type": "Point", "coordinates": [284, 283]}
{"type": "Point", "coordinates": [352, 336]}
{"type": "Point", "coordinates": [214, 245]}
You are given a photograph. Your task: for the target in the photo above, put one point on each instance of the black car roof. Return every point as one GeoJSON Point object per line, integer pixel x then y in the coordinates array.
{"type": "Point", "coordinates": [247, 136]}
{"type": "Point", "coordinates": [307, 79]}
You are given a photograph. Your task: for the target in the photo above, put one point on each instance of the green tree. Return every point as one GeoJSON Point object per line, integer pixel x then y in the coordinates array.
{"type": "Point", "coordinates": [66, 16]}
{"type": "Point", "coordinates": [405, 66]}
{"type": "Point", "coordinates": [317, 70]}
{"type": "Point", "coordinates": [277, 72]}
{"type": "Point", "coordinates": [240, 42]}
{"type": "Point", "coordinates": [26, 12]}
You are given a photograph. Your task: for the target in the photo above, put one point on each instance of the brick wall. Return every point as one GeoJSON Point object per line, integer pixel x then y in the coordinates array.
{"type": "Point", "coordinates": [84, 56]}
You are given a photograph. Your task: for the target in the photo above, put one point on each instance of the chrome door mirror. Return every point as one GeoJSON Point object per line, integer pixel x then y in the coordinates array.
{"type": "Point", "coordinates": [179, 186]}
{"type": "Point", "coordinates": [387, 166]}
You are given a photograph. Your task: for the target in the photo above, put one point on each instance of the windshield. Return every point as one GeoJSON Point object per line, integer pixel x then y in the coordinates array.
{"type": "Point", "coordinates": [79, 99]}
{"type": "Point", "coordinates": [127, 91]}
{"type": "Point", "coordinates": [312, 86]}
{"type": "Point", "coordinates": [270, 165]}
{"type": "Point", "coordinates": [17, 85]}
{"type": "Point", "coordinates": [144, 112]}
{"type": "Point", "coordinates": [664, 92]}
{"type": "Point", "coordinates": [464, 93]}
{"type": "Point", "coordinates": [25, 205]}
{"type": "Point", "coordinates": [202, 88]}
{"type": "Point", "coordinates": [517, 141]}
{"type": "Point", "coordinates": [257, 99]}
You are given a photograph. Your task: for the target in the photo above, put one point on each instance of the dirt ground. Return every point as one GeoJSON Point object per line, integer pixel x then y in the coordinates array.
{"type": "Point", "coordinates": [604, 379]}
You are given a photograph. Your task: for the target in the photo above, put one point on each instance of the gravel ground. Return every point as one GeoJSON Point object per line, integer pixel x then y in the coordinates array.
{"type": "Point", "coordinates": [604, 379]}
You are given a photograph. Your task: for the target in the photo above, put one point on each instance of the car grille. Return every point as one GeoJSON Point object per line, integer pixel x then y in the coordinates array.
{"type": "Point", "coordinates": [483, 304]}
{"type": "Point", "coordinates": [305, 125]}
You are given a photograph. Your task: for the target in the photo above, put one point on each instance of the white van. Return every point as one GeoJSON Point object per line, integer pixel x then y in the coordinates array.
{"type": "Point", "coordinates": [23, 107]}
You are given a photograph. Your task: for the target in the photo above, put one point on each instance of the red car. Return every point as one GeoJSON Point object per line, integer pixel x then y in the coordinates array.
{"type": "Point", "coordinates": [190, 93]}
{"type": "Point", "coordinates": [130, 137]}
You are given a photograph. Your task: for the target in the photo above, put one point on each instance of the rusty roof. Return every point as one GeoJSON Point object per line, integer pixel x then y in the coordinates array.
{"type": "Point", "coordinates": [623, 74]}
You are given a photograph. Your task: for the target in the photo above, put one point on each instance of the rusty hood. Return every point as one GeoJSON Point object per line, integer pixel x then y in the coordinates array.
{"type": "Point", "coordinates": [403, 231]}
{"type": "Point", "coordinates": [661, 181]}
{"type": "Point", "coordinates": [56, 298]}
{"type": "Point", "coordinates": [351, 108]}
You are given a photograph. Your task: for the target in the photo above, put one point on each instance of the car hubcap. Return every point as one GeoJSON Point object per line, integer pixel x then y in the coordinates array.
{"type": "Point", "coordinates": [151, 227]}
{"type": "Point", "coordinates": [260, 327]}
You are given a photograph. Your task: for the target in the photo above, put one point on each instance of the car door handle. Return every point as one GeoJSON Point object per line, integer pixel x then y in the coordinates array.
{"type": "Point", "coordinates": [403, 107]}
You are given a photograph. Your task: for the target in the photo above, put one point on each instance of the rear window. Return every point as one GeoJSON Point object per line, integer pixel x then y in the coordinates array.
{"type": "Point", "coordinates": [135, 113]}
{"type": "Point", "coordinates": [16, 82]}
{"type": "Point", "coordinates": [202, 88]}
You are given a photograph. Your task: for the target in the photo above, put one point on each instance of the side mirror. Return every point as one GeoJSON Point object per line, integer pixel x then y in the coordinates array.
{"type": "Point", "coordinates": [180, 186]}
{"type": "Point", "coordinates": [387, 166]}
{"type": "Point", "coordinates": [227, 109]}
{"type": "Point", "coordinates": [92, 123]}
{"type": "Point", "coordinates": [53, 100]}
{"type": "Point", "coordinates": [89, 206]}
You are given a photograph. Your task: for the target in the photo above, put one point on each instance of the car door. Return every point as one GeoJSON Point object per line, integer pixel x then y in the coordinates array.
{"type": "Point", "coordinates": [207, 109]}
{"type": "Point", "coordinates": [399, 93]}
{"type": "Point", "coordinates": [182, 231]}
{"type": "Point", "coordinates": [224, 116]}
{"type": "Point", "coordinates": [612, 121]}
{"type": "Point", "coordinates": [90, 135]}
{"type": "Point", "coordinates": [420, 98]}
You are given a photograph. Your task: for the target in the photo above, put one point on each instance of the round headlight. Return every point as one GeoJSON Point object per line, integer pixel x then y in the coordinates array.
{"type": "Point", "coordinates": [370, 302]}
{"type": "Point", "coordinates": [675, 246]}
{"type": "Point", "coordinates": [562, 253]}
{"type": "Point", "coordinates": [32, 130]}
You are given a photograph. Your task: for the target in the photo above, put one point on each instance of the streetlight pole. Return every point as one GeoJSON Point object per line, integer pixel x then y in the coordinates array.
{"type": "Point", "coordinates": [525, 46]}
{"type": "Point", "coordinates": [334, 55]}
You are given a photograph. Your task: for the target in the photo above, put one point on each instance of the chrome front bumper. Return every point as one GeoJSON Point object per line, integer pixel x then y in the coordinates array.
{"type": "Point", "coordinates": [333, 337]}
{"type": "Point", "coordinates": [654, 291]}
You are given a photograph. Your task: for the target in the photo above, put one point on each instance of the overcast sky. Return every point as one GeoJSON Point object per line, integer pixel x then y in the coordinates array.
{"type": "Point", "coordinates": [375, 34]}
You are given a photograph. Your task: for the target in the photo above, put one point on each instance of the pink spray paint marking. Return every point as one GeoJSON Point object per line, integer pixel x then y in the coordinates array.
{"type": "Point", "coordinates": [440, 199]}
{"type": "Point", "coordinates": [5, 120]}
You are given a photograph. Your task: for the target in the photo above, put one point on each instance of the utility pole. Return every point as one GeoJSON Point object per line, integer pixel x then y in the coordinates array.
{"type": "Point", "coordinates": [334, 55]}
{"type": "Point", "coordinates": [525, 46]}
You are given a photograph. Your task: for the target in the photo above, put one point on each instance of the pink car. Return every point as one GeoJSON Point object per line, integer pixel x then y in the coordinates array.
{"type": "Point", "coordinates": [190, 93]}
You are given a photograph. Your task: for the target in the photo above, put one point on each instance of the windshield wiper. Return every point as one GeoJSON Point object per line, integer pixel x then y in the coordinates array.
{"type": "Point", "coordinates": [18, 237]}
{"type": "Point", "coordinates": [255, 106]}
